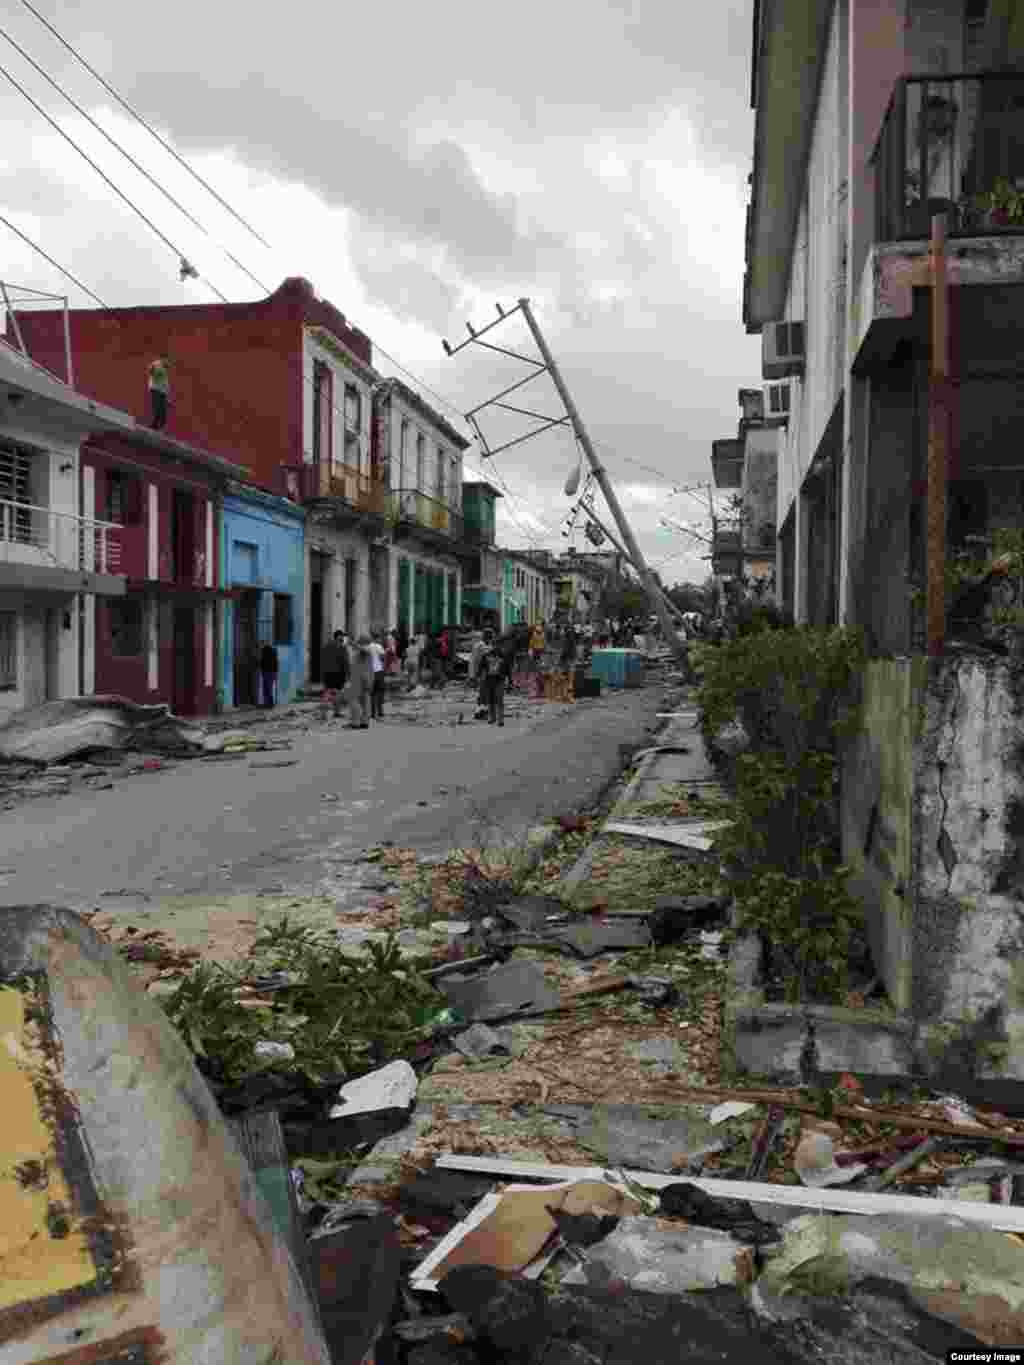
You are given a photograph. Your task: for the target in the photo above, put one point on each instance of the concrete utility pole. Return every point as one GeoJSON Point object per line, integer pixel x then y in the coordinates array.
{"type": "Point", "coordinates": [938, 442]}
{"type": "Point", "coordinates": [571, 419]}
{"type": "Point", "coordinates": [629, 540]}
{"type": "Point", "coordinates": [670, 606]}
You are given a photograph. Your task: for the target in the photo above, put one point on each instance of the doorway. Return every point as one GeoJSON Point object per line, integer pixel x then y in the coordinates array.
{"type": "Point", "coordinates": [245, 648]}
{"type": "Point", "coordinates": [183, 536]}
{"type": "Point", "coordinates": [183, 702]}
{"type": "Point", "coordinates": [317, 573]}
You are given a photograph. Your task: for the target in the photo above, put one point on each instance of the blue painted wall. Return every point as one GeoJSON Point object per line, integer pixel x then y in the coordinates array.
{"type": "Point", "coordinates": [262, 546]}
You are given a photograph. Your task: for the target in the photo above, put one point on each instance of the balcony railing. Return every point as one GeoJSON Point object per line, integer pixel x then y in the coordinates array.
{"type": "Point", "coordinates": [419, 509]}
{"type": "Point", "coordinates": [951, 144]}
{"type": "Point", "coordinates": [38, 535]}
{"type": "Point", "coordinates": [353, 486]}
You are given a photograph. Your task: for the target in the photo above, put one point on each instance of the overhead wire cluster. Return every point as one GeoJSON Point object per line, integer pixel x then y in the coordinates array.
{"type": "Point", "coordinates": [187, 270]}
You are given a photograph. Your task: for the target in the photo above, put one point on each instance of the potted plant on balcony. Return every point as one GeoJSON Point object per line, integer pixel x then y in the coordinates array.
{"type": "Point", "coordinates": [1002, 205]}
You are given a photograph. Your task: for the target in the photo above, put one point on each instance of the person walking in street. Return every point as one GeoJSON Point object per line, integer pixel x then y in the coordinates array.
{"type": "Point", "coordinates": [437, 660]}
{"type": "Point", "coordinates": [268, 673]}
{"type": "Point", "coordinates": [377, 655]}
{"type": "Point", "coordinates": [391, 663]}
{"type": "Point", "coordinates": [568, 655]}
{"type": "Point", "coordinates": [537, 645]}
{"type": "Point", "coordinates": [360, 684]}
{"type": "Point", "coordinates": [494, 669]}
{"type": "Point", "coordinates": [445, 652]}
{"type": "Point", "coordinates": [478, 651]}
{"type": "Point", "coordinates": [401, 643]}
{"type": "Point", "coordinates": [160, 391]}
{"type": "Point", "coordinates": [411, 662]}
{"type": "Point", "coordinates": [335, 670]}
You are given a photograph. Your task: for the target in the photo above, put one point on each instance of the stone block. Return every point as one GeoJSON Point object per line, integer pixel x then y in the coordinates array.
{"type": "Point", "coordinates": [768, 1040]}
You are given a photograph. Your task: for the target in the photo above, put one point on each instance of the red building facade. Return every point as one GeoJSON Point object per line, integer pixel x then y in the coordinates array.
{"type": "Point", "coordinates": [157, 643]}
{"type": "Point", "coordinates": [236, 369]}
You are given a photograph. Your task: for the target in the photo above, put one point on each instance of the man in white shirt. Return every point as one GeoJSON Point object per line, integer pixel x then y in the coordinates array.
{"type": "Point", "coordinates": [377, 688]}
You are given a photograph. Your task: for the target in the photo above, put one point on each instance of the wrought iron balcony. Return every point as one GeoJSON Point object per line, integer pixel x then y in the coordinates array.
{"type": "Point", "coordinates": [30, 534]}
{"type": "Point", "coordinates": [420, 510]}
{"type": "Point", "coordinates": [353, 486]}
{"type": "Point", "coordinates": [951, 144]}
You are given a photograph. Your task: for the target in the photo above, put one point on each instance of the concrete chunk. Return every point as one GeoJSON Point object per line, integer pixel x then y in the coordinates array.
{"type": "Point", "coordinates": [662, 1258]}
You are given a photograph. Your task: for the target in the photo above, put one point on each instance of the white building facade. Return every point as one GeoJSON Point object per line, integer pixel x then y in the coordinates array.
{"type": "Point", "coordinates": [420, 456]}
{"type": "Point", "coordinates": [342, 521]}
{"type": "Point", "coordinates": [53, 560]}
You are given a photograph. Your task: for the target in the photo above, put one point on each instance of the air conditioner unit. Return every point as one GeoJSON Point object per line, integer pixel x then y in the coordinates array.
{"type": "Point", "coordinates": [782, 349]}
{"type": "Point", "coordinates": [778, 401]}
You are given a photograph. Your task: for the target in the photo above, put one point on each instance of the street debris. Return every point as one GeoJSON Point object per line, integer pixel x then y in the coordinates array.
{"type": "Point", "coordinates": [661, 1258]}
{"type": "Point", "coordinates": [815, 1163]}
{"type": "Point", "coordinates": [510, 1231]}
{"type": "Point", "coordinates": [504, 992]}
{"type": "Point", "coordinates": [392, 1087]}
{"type": "Point", "coordinates": [58, 730]}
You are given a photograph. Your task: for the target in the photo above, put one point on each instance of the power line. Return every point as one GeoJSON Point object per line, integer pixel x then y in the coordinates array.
{"type": "Point", "coordinates": [128, 157]}
{"type": "Point", "coordinates": [380, 349]}
{"type": "Point", "coordinates": [139, 119]}
{"type": "Point", "coordinates": [107, 180]}
{"type": "Point", "coordinates": [57, 266]}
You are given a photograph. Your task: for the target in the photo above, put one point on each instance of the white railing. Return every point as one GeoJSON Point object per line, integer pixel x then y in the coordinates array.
{"type": "Point", "coordinates": [62, 540]}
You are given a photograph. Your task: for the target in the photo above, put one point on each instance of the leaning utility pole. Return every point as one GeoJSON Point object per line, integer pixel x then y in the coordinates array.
{"type": "Point", "coordinates": [573, 420]}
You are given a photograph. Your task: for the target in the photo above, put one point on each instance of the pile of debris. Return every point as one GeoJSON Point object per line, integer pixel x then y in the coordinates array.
{"type": "Point", "coordinates": [493, 1258]}
{"type": "Point", "coordinates": [865, 1221]}
{"type": "Point", "coordinates": [43, 749]}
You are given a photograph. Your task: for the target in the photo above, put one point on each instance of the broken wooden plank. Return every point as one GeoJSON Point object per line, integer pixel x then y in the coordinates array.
{"type": "Point", "coordinates": [1001, 1217]}
{"type": "Point", "coordinates": [464, 964]}
{"type": "Point", "coordinates": [693, 835]}
{"type": "Point", "coordinates": [873, 1117]}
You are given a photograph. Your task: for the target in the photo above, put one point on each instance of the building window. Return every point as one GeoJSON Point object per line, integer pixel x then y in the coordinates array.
{"type": "Point", "coordinates": [124, 498]}
{"type": "Point", "coordinates": [15, 487]}
{"type": "Point", "coordinates": [282, 619]}
{"type": "Point", "coordinates": [421, 460]}
{"type": "Point", "coordinates": [440, 474]}
{"type": "Point", "coordinates": [353, 425]}
{"type": "Point", "coordinates": [455, 484]}
{"type": "Point", "coordinates": [323, 400]}
{"type": "Point", "coordinates": [125, 618]}
{"type": "Point", "coordinates": [403, 451]}
{"type": "Point", "coordinates": [8, 651]}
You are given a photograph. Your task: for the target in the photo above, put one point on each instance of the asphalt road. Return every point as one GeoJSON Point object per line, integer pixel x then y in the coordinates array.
{"type": "Point", "coordinates": [233, 826]}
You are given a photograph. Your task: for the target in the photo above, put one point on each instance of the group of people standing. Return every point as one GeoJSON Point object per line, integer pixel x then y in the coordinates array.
{"type": "Point", "coordinates": [358, 669]}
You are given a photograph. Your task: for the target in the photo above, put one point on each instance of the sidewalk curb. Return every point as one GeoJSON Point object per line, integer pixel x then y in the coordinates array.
{"type": "Point", "coordinates": [580, 870]}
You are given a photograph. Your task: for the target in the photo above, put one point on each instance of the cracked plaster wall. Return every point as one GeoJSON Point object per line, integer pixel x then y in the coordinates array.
{"type": "Point", "coordinates": [933, 830]}
{"type": "Point", "coordinates": [968, 914]}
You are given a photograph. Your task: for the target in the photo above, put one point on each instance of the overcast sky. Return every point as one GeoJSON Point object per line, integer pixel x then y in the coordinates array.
{"type": "Point", "coordinates": [419, 163]}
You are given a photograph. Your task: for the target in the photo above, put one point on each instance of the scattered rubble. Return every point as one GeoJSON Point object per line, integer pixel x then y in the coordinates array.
{"type": "Point", "coordinates": [59, 730]}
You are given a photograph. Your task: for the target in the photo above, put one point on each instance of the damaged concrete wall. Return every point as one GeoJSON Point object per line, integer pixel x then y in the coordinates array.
{"type": "Point", "coordinates": [932, 819]}
{"type": "Point", "coordinates": [876, 814]}
{"type": "Point", "coordinates": [968, 936]}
